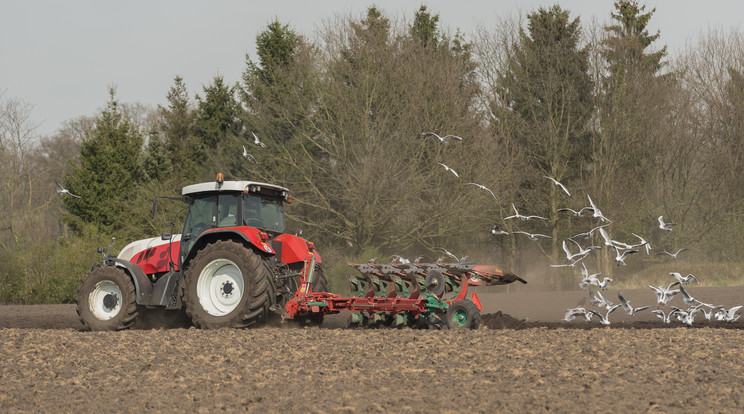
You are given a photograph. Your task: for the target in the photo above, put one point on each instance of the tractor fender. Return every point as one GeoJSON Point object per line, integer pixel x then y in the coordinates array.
{"type": "Point", "coordinates": [142, 285]}
{"type": "Point", "coordinates": [248, 235]}
{"type": "Point", "coordinates": [293, 249]}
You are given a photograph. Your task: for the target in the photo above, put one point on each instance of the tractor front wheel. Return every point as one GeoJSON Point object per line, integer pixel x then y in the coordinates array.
{"type": "Point", "coordinates": [106, 300]}
{"type": "Point", "coordinates": [463, 314]}
{"type": "Point", "coordinates": [227, 285]}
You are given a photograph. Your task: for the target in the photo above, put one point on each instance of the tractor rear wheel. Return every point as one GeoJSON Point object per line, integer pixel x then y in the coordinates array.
{"type": "Point", "coordinates": [463, 314]}
{"type": "Point", "coordinates": [320, 284]}
{"type": "Point", "coordinates": [227, 285]}
{"type": "Point", "coordinates": [106, 300]}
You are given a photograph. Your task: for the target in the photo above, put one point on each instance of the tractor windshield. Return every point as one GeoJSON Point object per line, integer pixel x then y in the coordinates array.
{"type": "Point", "coordinates": [263, 212]}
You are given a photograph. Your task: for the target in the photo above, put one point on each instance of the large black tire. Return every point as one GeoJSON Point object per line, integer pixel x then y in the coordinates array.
{"type": "Point", "coordinates": [320, 284]}
{"type": "Point", "coordinates": [463, 314]}
{"type": "Point", "coordinates": [227, 285]}
{"type": "Point", "coordinates": [106, 300]}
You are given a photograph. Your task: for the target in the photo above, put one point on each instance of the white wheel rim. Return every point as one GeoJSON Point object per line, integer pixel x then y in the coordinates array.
{"type": "Point", "coordinates": [220, 287]}
{"type": "Point", "coordinates": [105, 300]}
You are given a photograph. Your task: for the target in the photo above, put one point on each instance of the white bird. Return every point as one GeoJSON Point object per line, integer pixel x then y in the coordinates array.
{"type": "Point", "coordinates": [444, 140]}
{"type": "Point", "coordinates": [604, 319]}
{"type": "Point", "coordinates": [399, 259]}
{"type": "Point", "coordinates": [588, 235]}
{"type": "Point", "coordinates": [582, 251]}
{"type": "Point", "coordinates": [663, 225]}
{"type": "Point", "coordinates": [599, 300]}
{"type": "Point", "coordinates": [684, 280]}
{"type": "Point", "coordinates": [450, 170]}
{"type": "Point", "coordinates": [687, 317]}
{"type": "Point", "coordinates": [597, 213]}
{"type": "Point", "coordinates": [248, 156]}
{"type": "Point", "coordinates": [257, 141]}
{"type": "Point", "coordinates": [620, 257]}
{"type": "Point", "coordinates": [497, 231]}
{"type": "Point", "coordinates": [579, 213]}
{"type": "Point", "coordinates": [571, 314]}
{"type": "Point", "coordinates": [673, 255]}
{"type": "Point", "coordinates": [533, 237]}
{"type": "Point", "coordinates": [626, 305]}
{"type": "Point", "coordinates": [642, 243]}
{"type": "Point", "coordinates": [556, 182]}
{"type": "Point", "coordinates": [484, 188]}
{"type": "Point", "coordinates": [447, 252]}
{"type": "Point", "coordinates": [710, 313]}
{"type": "Point", "coordinates": [664, 294]}
{"type": "Point", "coordinates": [63, 191]}
{"type": "Point", "coordinates": [664, 318]}
{"type": "Point", "coordinates": [592, 280]}
{"type": "Point", "coordinates": [728, 315]}
{"type": "Point", "coordinates": [521, 217]}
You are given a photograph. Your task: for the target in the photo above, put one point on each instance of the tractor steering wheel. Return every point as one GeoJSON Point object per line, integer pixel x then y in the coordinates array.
{"type": "Point", "coordinates": [253, 222]}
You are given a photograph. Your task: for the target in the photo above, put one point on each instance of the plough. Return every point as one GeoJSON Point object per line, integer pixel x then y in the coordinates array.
{"type": "Point", "coordinates": [421, 295]}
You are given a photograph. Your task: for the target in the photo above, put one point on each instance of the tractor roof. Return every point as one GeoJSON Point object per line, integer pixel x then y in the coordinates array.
{"type": "Point", "coordinates": [238, 186]}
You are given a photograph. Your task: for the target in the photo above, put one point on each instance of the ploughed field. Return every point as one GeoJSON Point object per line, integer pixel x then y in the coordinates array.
{"type": "Point", "coordinates": [524, 359]}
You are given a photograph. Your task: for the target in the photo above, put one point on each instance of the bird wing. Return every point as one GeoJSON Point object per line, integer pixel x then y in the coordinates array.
{"type": "Point", "coordinates": [59, 186]}
{"type": "Point", "coordinates": [624, 302]}
{"type": "Point", "coordinates": [453, 137]}
{"type": "Point", "coordinates": [445, 251]}
{"type": "Point", "coordinates": [565, 249]}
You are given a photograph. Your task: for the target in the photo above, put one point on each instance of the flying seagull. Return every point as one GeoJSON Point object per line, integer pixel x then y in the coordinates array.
{"type": "Point", "coordinates": [579, 213]}
{"type": "Point", "coordinates": [599, 300]}
{"type": "Point", "coordinates": [556, 182]}
{"type": "Point", "coordinates": [664, 318]}
{"type": "Point", "coordinates": [664, 294]}
{"type": "Point", "coordinates": [533, 237]}
{"type": "Point", "coordinates": [484, 188]}
{"type": "Point", "coordinates": [588, 235]}
{"type": "Point", "coordinates": [689, 300]}
{"type": "Point", "coordinates": [642, 243]}
{"type": "Point", "coordinates": [597, 214]}
{"type": "Point", "coordinates": [684, 280]}
{"type": "Point", "coordinates": [571, 314]}
{"type": "Point", "coordinates": [248, 156]}
{"type": "Point", "coordinates": [445, 139]}
{"type": "Point", "coordinates": [448, 253]}
{"type": "Point", "coordinates": [63, 191]}
{"type": "Point", "coordinates": [620, 257]}
{"type": "Point", "coordinates": [258, 141]}
{"type": "Point", "coordinates": [521, 217]}
{"type": "Point", "coordinates": [604, 319]}
{"type": "Point", "coordinates": [498, 231]}
{"type": "Point", "coordinates": [450, 170]}
{"type": "Point", "coordinates": [673, 255]}
{"type": "Point", "coordinates": [663, 225]}
{"type": "Point", "coordinates": [626, 305]}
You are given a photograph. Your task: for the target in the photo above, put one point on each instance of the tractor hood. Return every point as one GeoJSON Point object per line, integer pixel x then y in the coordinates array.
{"type": "Point", "coordinates": [139, 245]}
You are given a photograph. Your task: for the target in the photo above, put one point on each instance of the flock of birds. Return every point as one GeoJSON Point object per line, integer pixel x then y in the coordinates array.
{"type": "Point", "coordinates": [575, 253]}
{"type": "Point", "coordinates": [664, 295]}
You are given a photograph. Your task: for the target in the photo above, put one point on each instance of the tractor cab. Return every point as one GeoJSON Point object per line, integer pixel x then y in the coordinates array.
{"type": "Point", "coordinates": [231, 204]}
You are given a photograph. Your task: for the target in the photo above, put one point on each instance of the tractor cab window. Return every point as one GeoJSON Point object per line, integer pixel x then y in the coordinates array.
{"type": "Point", "coordinates": [227, 210]}
{"type": "Point", "coordinates": [263, 212]}
{"type": "Point", "coordinates": [202, 216]}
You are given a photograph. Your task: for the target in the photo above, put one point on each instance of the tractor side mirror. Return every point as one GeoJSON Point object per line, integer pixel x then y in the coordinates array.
{"type": "Point", "coordinates": [165, 236]}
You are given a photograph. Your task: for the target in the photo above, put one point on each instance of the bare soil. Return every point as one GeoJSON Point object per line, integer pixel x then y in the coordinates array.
{"type": "Point", "coordinates": [524, 359]}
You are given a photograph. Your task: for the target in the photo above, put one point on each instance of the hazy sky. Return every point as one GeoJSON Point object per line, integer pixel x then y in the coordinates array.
{"type": "Point", "coordinates": [61, 56]}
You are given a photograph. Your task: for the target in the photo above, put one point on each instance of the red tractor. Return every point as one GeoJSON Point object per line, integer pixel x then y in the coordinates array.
{"type": "Point", "coordinates": [231, 266]}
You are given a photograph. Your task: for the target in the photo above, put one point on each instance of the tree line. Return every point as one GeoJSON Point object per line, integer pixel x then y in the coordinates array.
{"type": "Point", "coordinates": [603, 109]}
